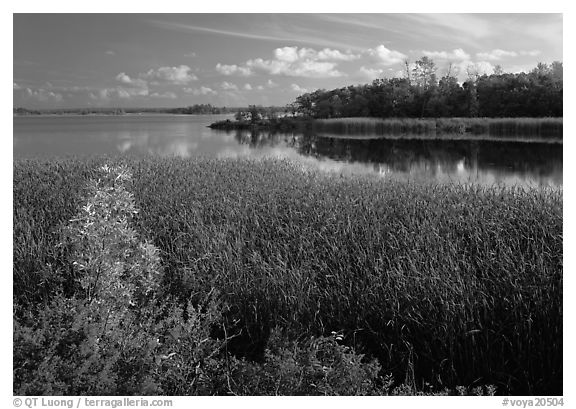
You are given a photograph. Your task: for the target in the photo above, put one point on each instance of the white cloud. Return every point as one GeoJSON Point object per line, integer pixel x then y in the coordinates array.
{"type": "Point", "coordinates": [134, 82]}
{"type": "Point", "coordinates": [298, 88]}
{"type": "Point", "coordinates": [16, 86]}
{"type": "Point", "coordinates": [124, 78]}
{"type": "Point", "coordinates": [274, 67]}
{"type": "Point", "coordinates": [335, 55]}
{"type": "Point", "coordinates": [288, 54]}
{"type": "Point", "coordinates": [300, 68]}
{"type": "Point", "coordinates": [168, 95]}
{"type": "Point", "coordinates": [120, 92]}
{"type": "Point", "coordinates": [386, 56]}
{"type": "Point", "coordinates": [78, 95]}
{"type": "Point", "coordinates": [371, 73]}
{"type": "Point", "coordinates": [260, 87]}
{"type": "Point", "coordinates": [104, 93]}
{"type": "Point", "coordinates": [456, 54]}
{"type": "Point", "coordinates": [247, 87]}
{"type": "Point", "coordinates": [532, 53]}
{"type": "Point", "coordinates": [293, 62]}
{"type": "Point", "coordinates": [271, 84]}
{"type": "Point", "coordinates": [110, 52]}
{"type": "Point", "coordinates": [192, 54]}
{"type": "Point", "coordinates": [110, 93]}
{"type": "Point", "coordinates": [174, 75]}
{"type": "Point", "coordinates": [497, 54]}
{"type": "Point", "coordinates": [200, 91]}
{"type": "Point", "coordinates": [293, 54]}
{"type": "Point", "coordinates": [43, 95]}
{"type": "Point", "coordinates": [233, 69]}
{"type": "Point", "coordinates": [227, 86]}
{"type": "Point", "coordinates": [131, 92]}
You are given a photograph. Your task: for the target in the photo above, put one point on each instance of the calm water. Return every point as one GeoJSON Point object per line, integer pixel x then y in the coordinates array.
{"type": "Point", "coordinates": [509, 163]}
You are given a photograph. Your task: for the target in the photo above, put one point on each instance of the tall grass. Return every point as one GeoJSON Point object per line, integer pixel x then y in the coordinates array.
{"type": "Point", "coordinates": [547, 128]}
{"type": "Point", "coordinates": [46, 194]}
{"type": "Point", "coordinates": [446, 284]}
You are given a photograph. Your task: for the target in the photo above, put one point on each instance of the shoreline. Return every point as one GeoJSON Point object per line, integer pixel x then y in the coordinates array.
{"type": "Point", "coordinates": [69, 114]}
{"type": "Point", "coordinates": [443, 137]}
{"type": "Point", "coordinates": [486, 129]}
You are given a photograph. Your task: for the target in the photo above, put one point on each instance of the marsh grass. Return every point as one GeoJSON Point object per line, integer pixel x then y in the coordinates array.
{"type": "Point", "coordinates": [545, 128]}
{"type": "Point", "coordinates": [46, 194]}
{"type": "Point", "coordinates": [445, 284]}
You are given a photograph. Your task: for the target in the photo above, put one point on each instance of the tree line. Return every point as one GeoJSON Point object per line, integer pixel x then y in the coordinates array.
{"type": "Point", "coordinates": [420, 94]}
{"type": "Point", "coordinates": [195, 109]}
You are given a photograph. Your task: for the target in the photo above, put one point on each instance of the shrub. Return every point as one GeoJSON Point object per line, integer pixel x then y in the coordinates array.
{"type": "Point", "coordinates": [315, 366]}
{"type": "Point", "coordinates": [67, 348]}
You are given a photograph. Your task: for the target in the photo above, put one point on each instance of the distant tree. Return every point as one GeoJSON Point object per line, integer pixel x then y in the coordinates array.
{"type": "Point", "coordinates": [239, 116]}
{"type": "Point", "coordinates": [424, 73]}
{"type": "Point", "coordinates": [407, 70]}
{"type": "Point", "coordinates": [402, 98]}
{"type": "Point", "coordinates": [472, 106]}
{"type": "Point", "coordinates": [271, 114]}
{"type": "Point", "coordinates": [449, 100]}
{"type": "Point", "coordinates": [424, 79]}
{"type": "Point", "coordinates": [541, 69]}
{"type": "Point", "coordinates": [557, 70]}
{"type": "Point", "coordinates": [304, 104]}
{"type": "Point", "coordinates": [255, 113]}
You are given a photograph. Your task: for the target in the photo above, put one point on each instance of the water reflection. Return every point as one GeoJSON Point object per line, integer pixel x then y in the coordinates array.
{"type": "Point", "coordinates": [139, 142]}
{"type": "Point", "coordinates": [162, 135]}
{"type": "Point", "coordinates": [487, 162]}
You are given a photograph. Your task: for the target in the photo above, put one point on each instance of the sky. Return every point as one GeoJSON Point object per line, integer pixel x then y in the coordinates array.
{"type": "Point", "coordinates": [176, 60]}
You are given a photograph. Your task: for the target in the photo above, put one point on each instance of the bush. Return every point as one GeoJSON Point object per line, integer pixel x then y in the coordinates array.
{"type": "Point", "coordinates": [315, 366]}
{"type": "Point", "coordinates": [68, 348]}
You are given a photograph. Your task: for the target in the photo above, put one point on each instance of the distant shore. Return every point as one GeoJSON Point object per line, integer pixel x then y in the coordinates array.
{"type": "Point", "coordinates": [98, 114]}
{"type": "Point", "coordinates": [197, 109]}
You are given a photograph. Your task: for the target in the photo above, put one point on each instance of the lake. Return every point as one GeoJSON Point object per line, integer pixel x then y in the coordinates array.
{"type": "Point", "coordinates": [485, 162]}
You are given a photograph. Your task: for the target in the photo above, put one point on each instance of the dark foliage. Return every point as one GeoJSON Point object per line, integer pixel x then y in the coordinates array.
{"type": "Point", "coordinates": [536, 94]}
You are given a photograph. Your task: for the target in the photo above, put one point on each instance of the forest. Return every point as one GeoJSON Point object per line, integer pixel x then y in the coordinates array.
{"type": "Point", "coordinates": [420, 94]}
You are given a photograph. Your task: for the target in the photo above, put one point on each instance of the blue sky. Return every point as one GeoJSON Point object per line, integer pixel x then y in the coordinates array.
{"type": "Point", "coordinates": [170, 60]}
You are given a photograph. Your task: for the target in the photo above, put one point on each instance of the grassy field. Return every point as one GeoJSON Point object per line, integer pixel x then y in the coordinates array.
{"type": "Point", "coordinates": [444, 285]}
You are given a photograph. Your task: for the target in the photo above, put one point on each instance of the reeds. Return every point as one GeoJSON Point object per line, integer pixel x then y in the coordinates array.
{"type": "Point", "coordinates": [459, 285]}
{"type": "Point", "coordinates": [547, 128]}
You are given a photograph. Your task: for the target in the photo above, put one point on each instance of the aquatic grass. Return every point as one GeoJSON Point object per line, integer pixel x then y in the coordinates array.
{"type": "Point", "coordinates": [46, 194]}
{"type": "Point", "coordinates": [446, 284]}
{"type": "Point", "coordinates": [461, 282]}
{"type": "Point", "coordinates": [545, 128]}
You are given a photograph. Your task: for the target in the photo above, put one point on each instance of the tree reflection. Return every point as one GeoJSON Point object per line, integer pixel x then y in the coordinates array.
{"type": "Point", "coordinates": [532, 160]}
